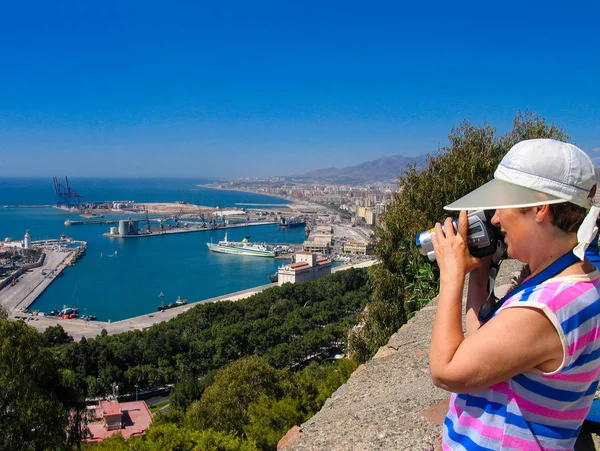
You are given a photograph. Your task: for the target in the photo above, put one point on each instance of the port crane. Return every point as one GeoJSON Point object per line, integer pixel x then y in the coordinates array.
{"type": "Point", "coordinates": [65, 195]}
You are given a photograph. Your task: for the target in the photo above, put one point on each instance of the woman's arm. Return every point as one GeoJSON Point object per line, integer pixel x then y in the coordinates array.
{"type": "Point", "coordinates": [477, 293]}
{"type": "Point", "coordinates": [515, 341]}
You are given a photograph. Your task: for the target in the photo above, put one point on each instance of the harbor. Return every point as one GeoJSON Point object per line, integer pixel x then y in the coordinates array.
{"type": "Point", "coordinates": [79, 328]}
{"type": "Point", "coordinates": [120, 279]}
{"type": "Point", "coordinates": [131, 228]}
{"type": "Point", "coordinates": [29, 282]}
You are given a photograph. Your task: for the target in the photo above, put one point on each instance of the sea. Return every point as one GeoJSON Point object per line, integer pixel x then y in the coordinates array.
{"type": "Point", "coordinates": [122, 278]}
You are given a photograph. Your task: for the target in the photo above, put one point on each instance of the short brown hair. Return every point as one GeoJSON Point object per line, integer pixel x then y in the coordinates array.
{"type": "Point", "coordinates": [567, 216]}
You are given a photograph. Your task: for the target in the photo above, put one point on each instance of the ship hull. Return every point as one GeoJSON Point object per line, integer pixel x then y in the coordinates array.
{"type": "Point", "coordinates": [234, 250]}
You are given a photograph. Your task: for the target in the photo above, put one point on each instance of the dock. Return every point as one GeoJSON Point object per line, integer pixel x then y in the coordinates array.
{"type": "Point", "coordinates": [33, 282]}
{"type": "Point", "coordinates": [189, 229]}
{"type": "Point", "coordinates": [70, 222]}
{"type": "Point", "coordinates": [28, 206]}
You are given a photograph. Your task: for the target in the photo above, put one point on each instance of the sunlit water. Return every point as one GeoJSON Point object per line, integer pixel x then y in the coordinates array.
{"type": "Point", "coordinates": [120, 278]}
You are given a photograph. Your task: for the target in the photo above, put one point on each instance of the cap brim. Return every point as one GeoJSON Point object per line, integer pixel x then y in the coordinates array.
{"type": "Point", "coordinates": [500, 194]}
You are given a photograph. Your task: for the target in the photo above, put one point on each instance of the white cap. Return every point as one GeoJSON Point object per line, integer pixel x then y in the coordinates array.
{"type": "Point", "coordinates": [538, 172]}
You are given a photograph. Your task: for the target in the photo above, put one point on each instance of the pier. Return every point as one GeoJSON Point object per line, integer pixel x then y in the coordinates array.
{"type": "Point", "coordinates": [188, 229]}
{"type": "Point", "coordinates": [70, 222]}
{"type": "Point", "coordinates": [28, 206]}
{"type": "Point", "coordinates": [32, 283]}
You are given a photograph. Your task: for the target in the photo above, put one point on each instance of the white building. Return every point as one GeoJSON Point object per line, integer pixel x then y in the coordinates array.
{"type": "Point", "coordinates": [308, 267]}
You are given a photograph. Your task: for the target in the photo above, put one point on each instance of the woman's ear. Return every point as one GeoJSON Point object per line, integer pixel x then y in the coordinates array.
{"type": "Point", "coordinates": [542, 212]}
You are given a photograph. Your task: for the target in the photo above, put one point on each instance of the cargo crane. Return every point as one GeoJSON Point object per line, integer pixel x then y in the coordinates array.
{"type": "Point", "coordinates": [65, 196]}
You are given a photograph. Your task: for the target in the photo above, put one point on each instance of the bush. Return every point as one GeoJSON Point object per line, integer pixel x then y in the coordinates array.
{"type": "Point", "coordinates": [404, 280]}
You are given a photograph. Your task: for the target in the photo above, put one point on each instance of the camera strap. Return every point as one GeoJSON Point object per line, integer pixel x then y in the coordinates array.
{"type": "Point", "coordinates": [492, 304]}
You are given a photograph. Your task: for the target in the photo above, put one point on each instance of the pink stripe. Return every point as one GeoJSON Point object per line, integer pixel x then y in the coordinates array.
{"type": "Point", "coordinates": [588, 376]}
{"type": "Point", "coordinates": [511, 441]}
{"type": "Point", "coordinates": [492, 432]}
{"type": "Point", "coordinates": [567, 296]}
{"type": "Point", "coordinates": [547, 295]}
{"type": "Point", "coordinates": [592, 335]}
{"type": "Point", "coordinates": [502, 388]}
{"type": "Point", "coordinates": [575, 414]}
{"type": "Point", "coordinates": [445, 447]}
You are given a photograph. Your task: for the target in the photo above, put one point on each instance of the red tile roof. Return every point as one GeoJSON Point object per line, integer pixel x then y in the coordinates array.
{"type": "Point", "coordinates": [136, 420]}
{"type": "Point", "coordinates": [110, 407]}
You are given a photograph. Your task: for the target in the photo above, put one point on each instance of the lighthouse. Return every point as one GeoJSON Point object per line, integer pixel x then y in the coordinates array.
{"type": "Point", "coordinates": [27, 241]}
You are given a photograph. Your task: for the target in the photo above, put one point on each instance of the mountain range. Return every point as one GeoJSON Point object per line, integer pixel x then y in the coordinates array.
{"type": "Point", "coordinates": [384, 169]}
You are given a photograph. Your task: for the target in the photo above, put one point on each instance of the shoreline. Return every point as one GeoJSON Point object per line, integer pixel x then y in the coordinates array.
{"type": "Point", "coordinates": [79, 328]}
{"type": "Point", "coordinates": [239, 190]}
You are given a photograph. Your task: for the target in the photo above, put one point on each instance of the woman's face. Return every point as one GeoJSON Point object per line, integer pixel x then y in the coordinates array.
{"type": "Point", "coordinates": [516, 224]}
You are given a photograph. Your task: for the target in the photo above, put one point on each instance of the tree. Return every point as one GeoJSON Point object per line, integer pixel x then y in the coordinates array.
{"type": "Point", "coordinates": [36, 396]}
{"type": "Point", "coordinates": [56, 335]}
{"type": "Point", "coordinates": [404, 278]}
{"type": "Point", "coordinates": [224, 405]}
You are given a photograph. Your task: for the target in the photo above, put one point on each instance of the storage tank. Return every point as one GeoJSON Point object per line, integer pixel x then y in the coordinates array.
{"type": "Point", "coordinates": [123, 227]}
{"type": "Point", "coordinates": [114, 230]}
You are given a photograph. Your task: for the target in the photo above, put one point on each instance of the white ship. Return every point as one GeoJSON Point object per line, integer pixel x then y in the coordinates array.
{"type": "Point", "coordinates": [243, 247]}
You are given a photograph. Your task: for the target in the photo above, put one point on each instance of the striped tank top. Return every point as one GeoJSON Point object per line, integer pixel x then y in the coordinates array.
{"type": "Point", "coordinates": [536, 410]}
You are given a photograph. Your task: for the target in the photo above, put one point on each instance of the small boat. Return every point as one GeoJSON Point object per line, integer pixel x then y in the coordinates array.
{"type": "Point", "coordinates": [178, 303]}
{"type": "Point", "coordinates": [161, 295]}
{"type": "Point", "coordinates": [68, 313]}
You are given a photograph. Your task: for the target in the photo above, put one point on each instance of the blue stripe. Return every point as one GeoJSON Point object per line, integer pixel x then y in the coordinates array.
{"type": "Point", "coordinates": [583, 359]}
{"type": "Point", "coordinates": [463, 440]}
{"type": "Point", "coordinates": [546, 391]}
{"type": "Point", "coordinates": [492, 408]}
{"type": "Point", "coordinates": [581, 317]}
{"type": "Point", "coordinates": [542, 430]}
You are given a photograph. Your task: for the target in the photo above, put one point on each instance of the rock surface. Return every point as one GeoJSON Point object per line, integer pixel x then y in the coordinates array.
{"type": "Point", "coordinates": [390, 402]}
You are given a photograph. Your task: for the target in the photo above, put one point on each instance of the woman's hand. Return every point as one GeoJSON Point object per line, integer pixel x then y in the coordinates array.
{"type": "Point", "coordinates": [451, 248]}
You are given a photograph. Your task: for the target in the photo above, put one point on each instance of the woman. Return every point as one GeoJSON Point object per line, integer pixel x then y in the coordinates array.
{"type": "Point", "coordinates": [524, 376]}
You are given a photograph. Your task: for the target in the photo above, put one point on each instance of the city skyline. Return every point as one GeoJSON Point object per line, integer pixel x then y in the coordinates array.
{"type": "Point", "coordinates": [239, 90]}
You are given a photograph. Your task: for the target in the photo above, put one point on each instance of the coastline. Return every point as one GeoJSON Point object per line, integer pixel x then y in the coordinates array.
{"type": "Point", "coordinates": [239, 190]}
{"type": "Point", "coordinates": [78, 328]}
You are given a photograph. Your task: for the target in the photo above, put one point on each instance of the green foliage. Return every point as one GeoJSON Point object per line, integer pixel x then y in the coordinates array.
{"type": "Point", "coordinates": [36, 396]}
{"type": "Point", "coordinates": [284, 324]}
{"type": "Point", "coordinates": [55, 336]}
{"type": "Point", "coordinates": [259, 403]}
{"type": "Point", "coordinates": [405, 280]}
{"type": "Point", "coordinates": [224, 405]}
{"type": "Point", "coordinates": [269, 419]}
{"type": "Point", "coordinates": [169, 437]}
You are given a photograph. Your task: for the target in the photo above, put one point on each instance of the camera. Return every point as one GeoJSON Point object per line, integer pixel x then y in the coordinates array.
{"type": "Point", "coordinates": [482, 236]}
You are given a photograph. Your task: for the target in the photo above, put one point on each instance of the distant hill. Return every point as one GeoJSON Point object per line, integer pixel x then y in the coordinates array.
{"type": "Point", "coordinates": [383, 169]}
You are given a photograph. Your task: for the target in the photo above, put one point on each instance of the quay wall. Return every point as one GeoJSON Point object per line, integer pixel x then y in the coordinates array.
{"type": "Point", "coordinates": [22, 270]}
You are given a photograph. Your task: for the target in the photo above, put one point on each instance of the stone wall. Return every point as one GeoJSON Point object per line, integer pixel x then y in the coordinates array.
{"type": "Point", "coordinates": [22, 270]}
{"type": "Point", "coordinates": [390, 403]}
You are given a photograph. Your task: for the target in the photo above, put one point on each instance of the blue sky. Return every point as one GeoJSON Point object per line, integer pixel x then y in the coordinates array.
{"type": "Point", "coordinates": [224, 89]}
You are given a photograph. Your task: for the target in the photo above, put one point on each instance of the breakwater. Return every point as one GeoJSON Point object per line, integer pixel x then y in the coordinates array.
{"type": "Point", "coordinates": [28, 206]}
{"type": "Point", "coordinates": [70, 222]}
{"type": "Point", "coordinates": [189, 229]}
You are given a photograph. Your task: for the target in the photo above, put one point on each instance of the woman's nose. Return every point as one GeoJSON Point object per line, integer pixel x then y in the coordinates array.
{"type": "Point", "coordinates": [495, 219]}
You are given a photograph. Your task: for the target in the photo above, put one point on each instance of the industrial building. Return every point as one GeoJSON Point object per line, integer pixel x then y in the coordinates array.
{"type": "Point", "coordinates": [127, 227]}
{"type": "Point", "coordinates": [357, 247]}
{"type": "Point", "coordinates": [320, 244]}
{"type": "Point", "coordinates": [308, 267]}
